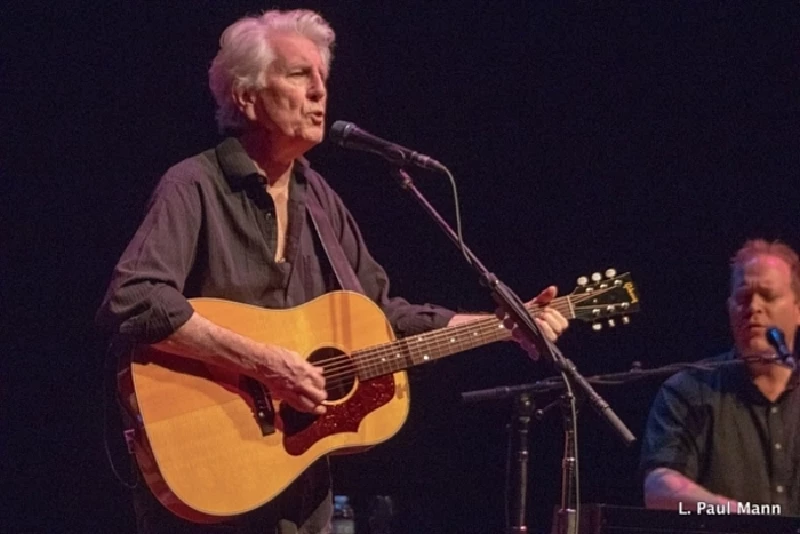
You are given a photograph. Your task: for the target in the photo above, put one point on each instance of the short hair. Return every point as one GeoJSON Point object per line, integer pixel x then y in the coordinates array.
{"type": "Point", "coordinates": [762, 247]}
{"type": "Point", "coordinates": [245, 55]}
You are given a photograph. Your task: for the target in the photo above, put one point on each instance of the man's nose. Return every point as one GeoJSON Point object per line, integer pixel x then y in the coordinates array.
{"type": "Point", "coordinates": [756, 304]}
{"type": "Point", "coordinates": [317, 90]}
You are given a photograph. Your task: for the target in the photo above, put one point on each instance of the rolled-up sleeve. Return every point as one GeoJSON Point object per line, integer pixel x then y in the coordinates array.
{"type": "Point", "coordinates": [674, 429]}
{"type": "Point", "coordinates": [144, 301]}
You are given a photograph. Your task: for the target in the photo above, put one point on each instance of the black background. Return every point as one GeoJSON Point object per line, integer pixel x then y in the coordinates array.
{"type": "Point", "coordinates": [652, 138]}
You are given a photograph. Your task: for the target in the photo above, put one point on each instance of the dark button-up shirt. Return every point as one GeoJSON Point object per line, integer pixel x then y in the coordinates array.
{"type": "Point", "coordinates": [210, 230]}
{"type": "Point", "coordinates": [716, 428]}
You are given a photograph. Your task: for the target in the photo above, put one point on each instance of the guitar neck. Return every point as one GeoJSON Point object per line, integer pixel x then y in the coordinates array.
{"type": "Point", "coordinates": [437, 344]}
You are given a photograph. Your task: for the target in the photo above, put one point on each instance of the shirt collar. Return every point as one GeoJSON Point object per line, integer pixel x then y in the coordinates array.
{"type": "Point", "coordinates": [240, 170]}
{"type": "Point", "coordinates": [236, 165]}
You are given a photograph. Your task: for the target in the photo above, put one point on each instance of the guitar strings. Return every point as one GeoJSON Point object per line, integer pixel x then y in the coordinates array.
{"type": "Point", "coordinates": [345, 367]}
{"type": "Point", "coordinates": [371, 360]}
{"type": "Point", "coordinates": [441, 338]}
{"type": "Point", "coordinates": [374, 358]}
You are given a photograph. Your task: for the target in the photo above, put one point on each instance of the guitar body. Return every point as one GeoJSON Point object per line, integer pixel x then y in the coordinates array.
{"type": "Point", "coordinates": [200, 445]}
{"type": "Point", "coordinates": [213, 444]}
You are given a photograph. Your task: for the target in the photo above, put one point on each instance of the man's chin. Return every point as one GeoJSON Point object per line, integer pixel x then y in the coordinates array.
{"type": "Point", "coordinates": [313, 137]}
{"type": "Point", "coordinates": [305, 142]}
{"type": "Point", "coordinates": [758, 348]}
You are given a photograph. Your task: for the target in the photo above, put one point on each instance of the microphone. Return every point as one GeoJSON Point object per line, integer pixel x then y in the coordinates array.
{"type": "Point", "coordinates": [778, 342]}
{"type": "Point", "coordinates": [348, 135]}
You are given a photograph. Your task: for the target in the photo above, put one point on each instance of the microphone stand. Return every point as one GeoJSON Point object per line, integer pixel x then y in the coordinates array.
{"type": "Point", "coordinates": [513, 306]}
{"type": "Point", "coordinates": [567, 519]}
{"type": "Point", "coordinates": [518, 449]}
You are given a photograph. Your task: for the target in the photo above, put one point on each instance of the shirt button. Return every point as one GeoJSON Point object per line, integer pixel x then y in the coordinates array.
{"type": "Point", "coordinates": [779, 489]}
{"type": "Point", "coordinates": [774, 409]}
{"type": "Point", "coordinates": [778, 446]}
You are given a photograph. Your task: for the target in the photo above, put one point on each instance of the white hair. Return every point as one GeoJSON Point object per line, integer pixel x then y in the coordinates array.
{"type": "Point", "coordinates": [245, 55]}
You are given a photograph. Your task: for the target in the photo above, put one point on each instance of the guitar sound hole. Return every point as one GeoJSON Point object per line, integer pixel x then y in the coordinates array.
{"type": "Point", "coordinates": [338, 370]}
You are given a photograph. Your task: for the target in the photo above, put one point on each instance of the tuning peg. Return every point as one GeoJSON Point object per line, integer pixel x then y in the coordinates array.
{"type": "Point", "coordinates": [597, 327]}
{"type": "Point", "coordinates": [611, 273]}
{"type": "Point", "coordinates": [582, 281]}
{"type": "Point", "coordinates": [612, 323]}
{"type": "Point", "coordinates": [596, 277]}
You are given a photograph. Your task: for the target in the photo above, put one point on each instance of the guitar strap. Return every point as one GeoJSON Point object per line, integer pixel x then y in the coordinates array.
{"type": "Point", "coordinates": [341, 267]}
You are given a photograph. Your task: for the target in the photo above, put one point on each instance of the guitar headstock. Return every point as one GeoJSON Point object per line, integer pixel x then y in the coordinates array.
{"type": "Point", "coordinates": [603, 299]}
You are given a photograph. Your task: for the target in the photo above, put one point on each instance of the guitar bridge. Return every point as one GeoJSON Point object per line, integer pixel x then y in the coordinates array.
{"type": "Point", "coordinates": [262, 401]}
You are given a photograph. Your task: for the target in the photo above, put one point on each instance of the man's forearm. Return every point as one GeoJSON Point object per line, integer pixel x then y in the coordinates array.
{"type": "Point", "coordinates": [666, 488]}
{"type": "Point", "coordinates": [282, 371]}
{"type": "Point", "coordinates": [200, 339]}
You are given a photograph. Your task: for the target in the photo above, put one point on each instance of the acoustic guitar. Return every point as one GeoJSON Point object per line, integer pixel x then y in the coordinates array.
{"type": "Point", "coordinates": [212, 444]}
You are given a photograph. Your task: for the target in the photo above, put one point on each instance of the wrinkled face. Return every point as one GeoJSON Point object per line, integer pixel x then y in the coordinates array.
{"type": "Point", "coordinates": [762, 297]}
{"type": "Point", "coordinates": [292, 105]}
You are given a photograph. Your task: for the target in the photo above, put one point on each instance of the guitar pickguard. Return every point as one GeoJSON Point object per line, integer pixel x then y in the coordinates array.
{"type": "Point", "coordinates": [302, 431]}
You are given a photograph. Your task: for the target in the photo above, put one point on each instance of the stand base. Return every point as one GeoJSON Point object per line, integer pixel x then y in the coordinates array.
{"type": "Point", "coordinates": [564, 522]}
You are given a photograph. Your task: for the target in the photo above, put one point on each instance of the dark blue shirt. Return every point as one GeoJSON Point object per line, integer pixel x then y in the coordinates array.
{"type": "Point", "coordinates": [716, 428]}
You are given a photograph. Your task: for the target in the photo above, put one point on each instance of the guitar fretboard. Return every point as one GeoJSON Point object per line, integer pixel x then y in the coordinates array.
{"type": "Point", "coordinates": [417, 350]}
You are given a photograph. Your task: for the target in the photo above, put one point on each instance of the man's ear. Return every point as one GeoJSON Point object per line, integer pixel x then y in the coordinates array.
{"type": "Point", "coordinates": [245, 101]}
